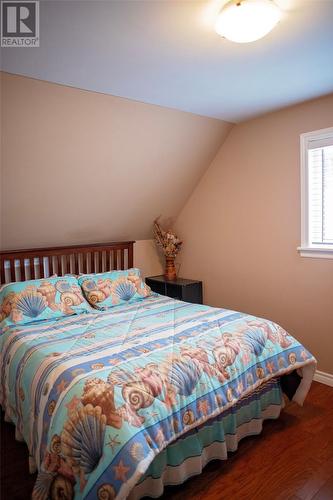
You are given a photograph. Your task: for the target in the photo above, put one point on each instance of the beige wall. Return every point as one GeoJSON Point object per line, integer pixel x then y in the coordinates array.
{"type": "Point", "coordinates": [147, 259]}
{"type": "Point", "coordinates": [82, 167]}
{"type": "Point", "coordinates": [241, 228]}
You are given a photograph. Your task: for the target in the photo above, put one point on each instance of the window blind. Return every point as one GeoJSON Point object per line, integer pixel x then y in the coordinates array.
{"type": "Point", "coordinates": [320, 177]}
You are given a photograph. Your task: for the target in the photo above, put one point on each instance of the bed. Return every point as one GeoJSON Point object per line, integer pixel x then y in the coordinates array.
{"type": "Point", "coordinates": [118, 403]}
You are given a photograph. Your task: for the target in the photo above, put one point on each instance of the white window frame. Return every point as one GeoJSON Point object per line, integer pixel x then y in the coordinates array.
{"type": "Point", "coordinates": [307, 249]}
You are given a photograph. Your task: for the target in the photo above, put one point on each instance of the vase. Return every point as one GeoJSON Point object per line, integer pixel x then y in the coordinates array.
{"type": "Point", "coordinates": [170, 268]}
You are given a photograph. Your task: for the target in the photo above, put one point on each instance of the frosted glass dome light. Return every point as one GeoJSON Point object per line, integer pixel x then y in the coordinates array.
{"type": "Point", "coordinates": [244, 21]}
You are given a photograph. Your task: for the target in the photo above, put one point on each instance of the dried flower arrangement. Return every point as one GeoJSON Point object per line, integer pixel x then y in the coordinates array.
{"type": "Point", "coordinates": [167, 240]}
{"type": "Point", "coordinates": [170, 244]}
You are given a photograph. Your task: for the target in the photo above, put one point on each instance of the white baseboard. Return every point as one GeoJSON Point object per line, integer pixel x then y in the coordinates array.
{"type": "Point", "coordinates": [323, 378]}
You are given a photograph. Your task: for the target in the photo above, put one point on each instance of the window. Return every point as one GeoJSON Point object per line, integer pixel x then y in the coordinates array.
{"type": "Point", "coordinates": [317, 193]}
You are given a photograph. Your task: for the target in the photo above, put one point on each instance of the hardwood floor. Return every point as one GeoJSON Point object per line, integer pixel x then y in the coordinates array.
{"type": "Point", "coordinates": [291, 460]}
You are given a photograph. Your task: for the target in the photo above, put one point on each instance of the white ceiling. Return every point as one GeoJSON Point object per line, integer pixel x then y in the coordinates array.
{"type": "Point", "coordinates": [166, 52]}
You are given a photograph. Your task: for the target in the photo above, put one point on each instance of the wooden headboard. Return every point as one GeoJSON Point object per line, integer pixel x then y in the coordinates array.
{"type": "Point", "coordinates": [21, 265]}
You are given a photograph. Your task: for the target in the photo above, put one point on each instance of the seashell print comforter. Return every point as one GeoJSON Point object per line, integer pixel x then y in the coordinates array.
{"type": "Point", "coordinates": [97, 396]}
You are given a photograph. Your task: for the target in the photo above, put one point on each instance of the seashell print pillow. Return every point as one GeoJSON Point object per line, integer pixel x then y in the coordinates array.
{"type": "Point", "coordinates": [35, 300]}
{"type": "Point", "coordinates": [104, 290]}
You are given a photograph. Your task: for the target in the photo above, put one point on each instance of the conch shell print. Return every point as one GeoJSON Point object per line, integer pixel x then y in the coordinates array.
{"type": "Point", "coordinates": [6, 306]}
{"type": "Point", "coordinates": [69, 300]}
{"type": "Point", "coordinates": [139, 389]}
{"type": "Point", "coordinates": [137, 395]}
{"type": "Point", "coordinates": [70, 296]}
{"type": "Point", "coordinates": [151, 377]}
{"type": "Point", "coordinates": [224, 357]}
{"type": "Point", "coordinates": [106, 492]}
{"type": "Point", "coordinates": [91, 291]}
{"type": "Point", "coordinates": [99, 393]}
{"type": "Point", "coordinates": [49, 292]}
{"type": "Point", "coordinates": [105, 287]}
{"type": "Point", "coordinates": [96, 296]}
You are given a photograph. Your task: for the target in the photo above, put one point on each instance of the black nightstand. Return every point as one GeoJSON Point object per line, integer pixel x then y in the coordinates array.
{"type": "Point", "coordinates": [181, 289]}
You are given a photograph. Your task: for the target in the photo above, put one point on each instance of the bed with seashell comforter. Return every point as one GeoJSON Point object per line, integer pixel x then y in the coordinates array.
{"type": "Point", "coordinates": [118, 403]}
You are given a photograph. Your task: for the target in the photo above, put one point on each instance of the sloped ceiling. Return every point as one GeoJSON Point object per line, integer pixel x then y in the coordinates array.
{"type": "Point", "coordinates": [80, 166]}
{"type": "Point", "coordinates": [167, 53]}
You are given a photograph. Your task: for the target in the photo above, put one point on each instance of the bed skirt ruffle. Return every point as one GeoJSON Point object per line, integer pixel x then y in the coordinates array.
{"type": "Point", "coordinates": [212, 441]}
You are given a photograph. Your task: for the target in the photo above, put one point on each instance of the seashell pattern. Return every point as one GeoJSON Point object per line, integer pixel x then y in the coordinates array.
{"type": "Point", "coordinates": [255, 340]}
{"type": "Point", "coordinates": [188, 417]}
{"type": "Point", "coordinates": [95, 296]}
{"type": "Point", "coordinates": [281, 362]}
{"type": "Point", "coordinates": [219, 400]}
{"type": "Point", "coordinates": [30, 304]}
{"type": "Point", "coordinates": [175, 425]}
{"type": "Point", "coordinates": [141, 288]}
{"type": "Point", "coordinates": [151, 377]}
{"type": "Point", "coordinates": [61, 488]}
{"type": "Point", "coordinates": [101, 394]}
{"type": "Point", "coordinates": [106, 492]}
{"type": "Point", "coordinates": [121, 377]}
{"type": "Point", "coordinates": [292, 358]}
{"type": "Point", "coordinates": [43, 483]}
{"type": "Point", "coordinates": [260, 372]}
{"type": "Point", "coordinates": [123, 289]}
{"type": "Point", "coordinates": [97, 366]}
{"type": "Point", "coordinates": [6, 306]}
{"type": "Point", "coordinates": [82, 438]}
{"type": "Point", "coordinates": [55, 446]}
{"type": "Point", "coordinates": [229, 395]}
{"type": "Point", "coordinates": [63, 286]}
{"type": "Point", "coordinates": [70, 299]}
{"type": "Point", "coordinates": [138, 395]}
{"type": "Point", "coordinates": [49, 292]}
{"type": "Point", "coordinates": [184, 375]}
{"type": "Point", "coordinates": [51, 462]}
{"type": "Point", "coordinates": [89, 285]}
{"type": "Point", "coordinates": [137, 452]}
{"type": "Point", "coordinates": [144, 290]}
{"type": "Point", "coordinates": [224, 356]}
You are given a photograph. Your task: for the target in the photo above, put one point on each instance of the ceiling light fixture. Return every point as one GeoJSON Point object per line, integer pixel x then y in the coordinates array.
{"type": "Point", "coordinates": [244, 21]}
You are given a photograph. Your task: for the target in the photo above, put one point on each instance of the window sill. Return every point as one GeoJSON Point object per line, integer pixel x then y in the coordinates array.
{"type": "Point", "coordinates": [316, 252]}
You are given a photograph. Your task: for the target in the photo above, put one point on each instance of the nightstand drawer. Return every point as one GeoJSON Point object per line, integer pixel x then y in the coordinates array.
{"type": "Point", "coordinates": [180, 289]}
{"type": "Point", "coordinates": [157, 287]}
{"type": "Point", "coordinates": [173, 291]}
